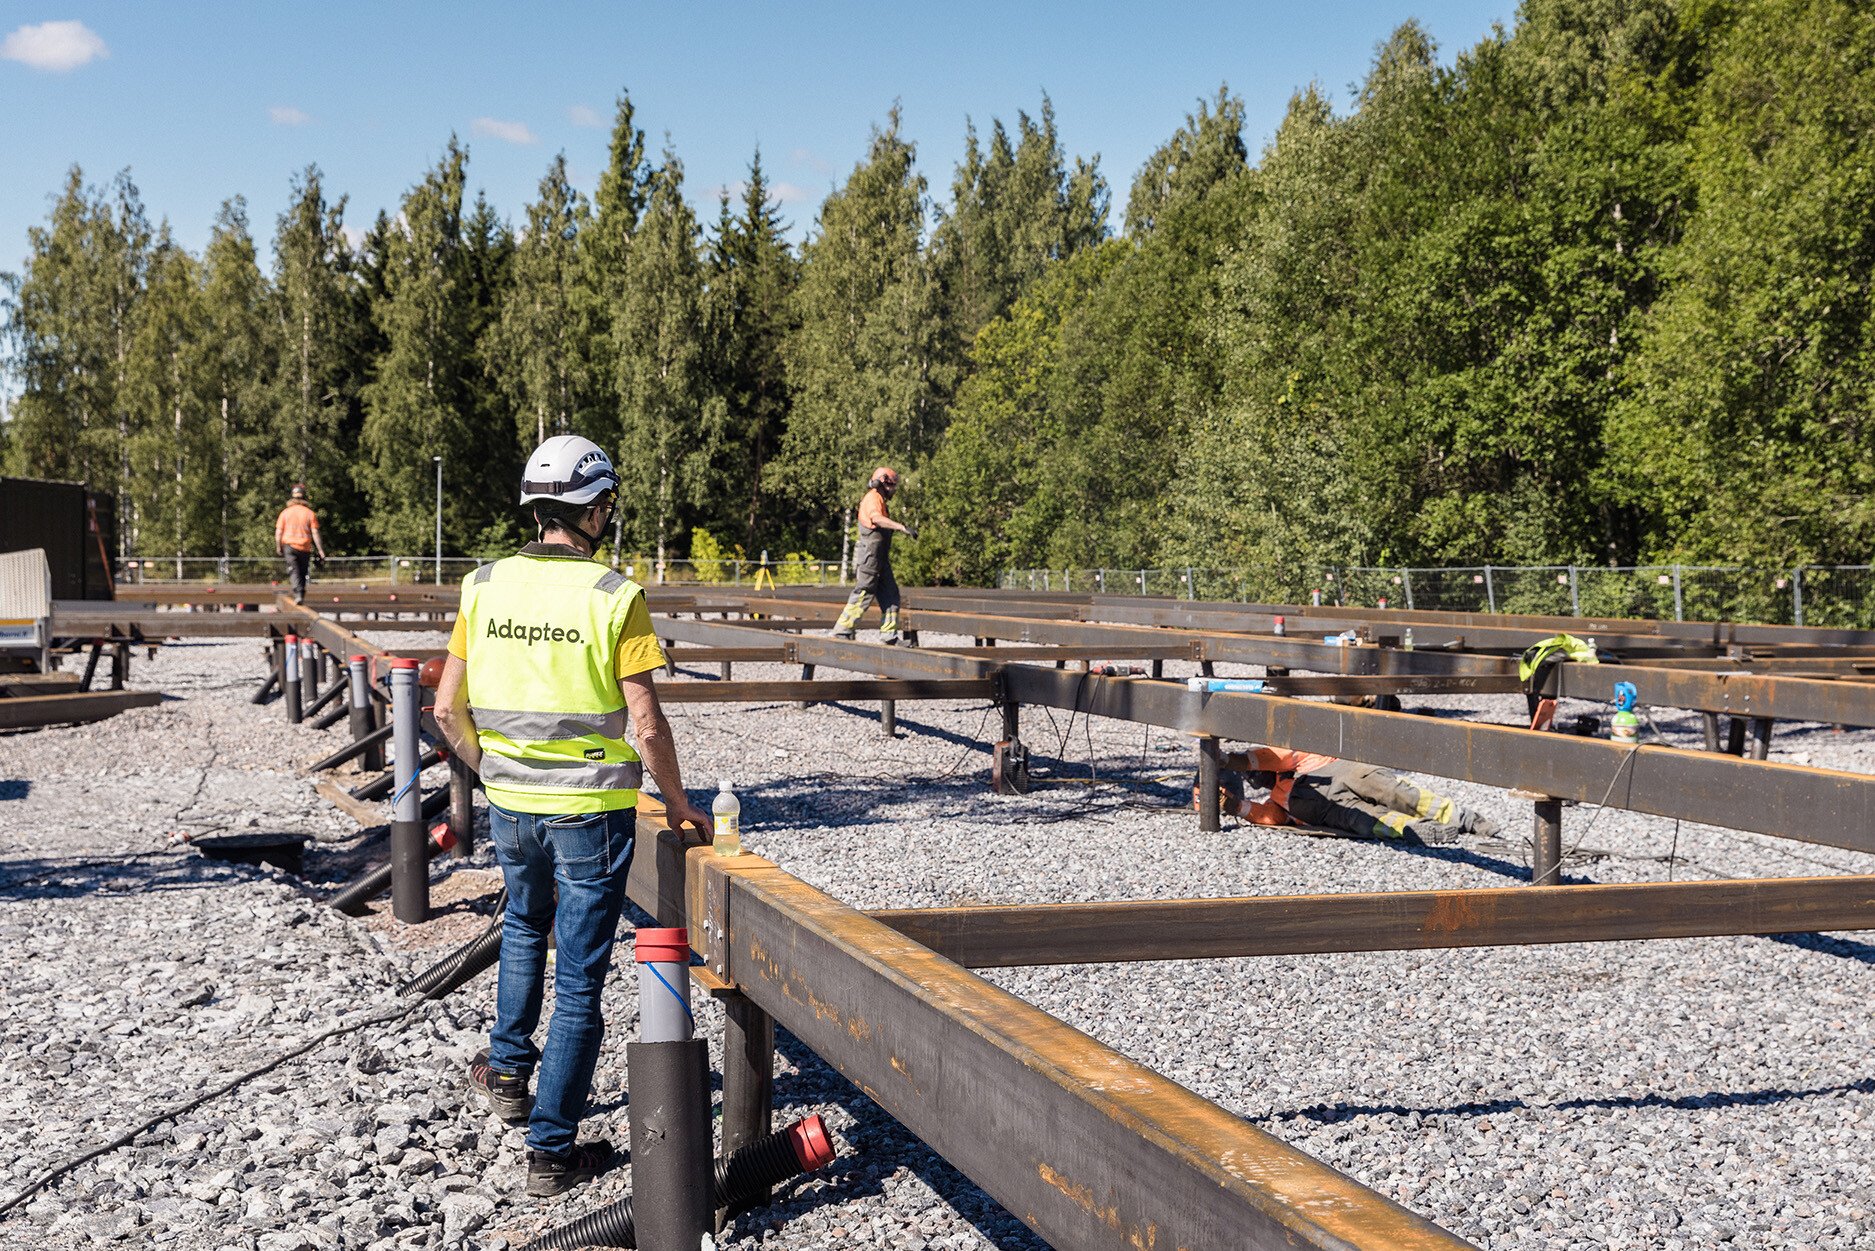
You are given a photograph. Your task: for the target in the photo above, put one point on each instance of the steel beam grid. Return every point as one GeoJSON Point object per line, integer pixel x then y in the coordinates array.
{"type": "Point", "coordinates": [1086, 1147]}
{"type": "Point", "coordinates": [1007, 936]}
{"type": "Point", "coordinates": [1789, 801]}
{"type": "Point", "coordinates": [1659, 683]}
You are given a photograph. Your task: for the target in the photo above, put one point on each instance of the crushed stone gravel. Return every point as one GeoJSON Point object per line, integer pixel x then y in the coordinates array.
{"type": "Point", "coordinates": [1689, 1094]}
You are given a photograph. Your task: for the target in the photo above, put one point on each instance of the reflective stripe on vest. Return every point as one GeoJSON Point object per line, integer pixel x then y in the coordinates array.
{"type": "Point", "coordinates": [571, 775]}
{"type": "Point", "coordinates": [543, 726]}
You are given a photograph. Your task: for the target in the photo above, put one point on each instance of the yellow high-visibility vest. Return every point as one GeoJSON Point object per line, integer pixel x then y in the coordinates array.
{"type": "Point", "coordinates": [543, 635]}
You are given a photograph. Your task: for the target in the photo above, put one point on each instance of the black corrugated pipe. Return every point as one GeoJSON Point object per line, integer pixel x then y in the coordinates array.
{"type": "Point", "coordinates": [479, 953]}
{"type": "Point", "coordinates": [355, 748]}
{"type": "Point", "coordinates": [380, 786]}
{"type": "Point", "coordinates": [785, 1154]}
{"type": "Point", "coordinates": [352, 900]}
{"type": "Point", "coordinates": [326, 696]}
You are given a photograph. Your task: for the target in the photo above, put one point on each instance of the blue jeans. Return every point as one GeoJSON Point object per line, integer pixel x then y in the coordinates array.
{"type": "Point", "coordinates": [586, 855]}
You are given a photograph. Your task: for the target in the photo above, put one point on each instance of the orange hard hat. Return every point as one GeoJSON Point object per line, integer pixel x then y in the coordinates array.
{"type": "Point", "coordinates": [430, 674]}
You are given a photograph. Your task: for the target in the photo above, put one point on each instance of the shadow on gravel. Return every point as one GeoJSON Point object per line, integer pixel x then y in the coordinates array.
{"type": "Point", "coordinates": [1333, 1113]}
{"type": "Point", "coordinates": [62, 876]}
{"type": "Point", "coordinates": [878, 1146]}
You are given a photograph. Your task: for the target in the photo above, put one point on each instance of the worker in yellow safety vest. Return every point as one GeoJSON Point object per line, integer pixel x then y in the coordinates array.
{"type": "Point", "coordinates": [551, 651]}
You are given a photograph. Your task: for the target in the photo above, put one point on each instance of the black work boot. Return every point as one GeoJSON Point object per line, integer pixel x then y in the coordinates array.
{"type": "Point", "coordinates": [549, 1175]}
{"type": "Point", "coordinates": [507, 1092]}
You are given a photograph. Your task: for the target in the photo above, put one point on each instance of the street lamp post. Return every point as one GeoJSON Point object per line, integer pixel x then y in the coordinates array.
{"type": "Point", "coordinates": [439, 519]}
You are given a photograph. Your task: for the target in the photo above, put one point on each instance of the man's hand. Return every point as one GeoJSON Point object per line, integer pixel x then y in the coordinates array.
{"type": "Point", "coordinates": [680, 812]}
{"type": "Point", "coordinates": [911, 531]}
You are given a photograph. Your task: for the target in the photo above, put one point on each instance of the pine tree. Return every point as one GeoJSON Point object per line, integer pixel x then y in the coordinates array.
{"type": "Point", "coordinates": [242, 366]}
{"type": "Point", "coordinates": [418, 403]}
{"type": "Point", "coordinates": [862, 361]}
{"type": "Point", "coordinates": [541, 346]}
{"type": "Point", "coordinates": [751, 279]}
{"type": "Point", "coordinates": [320, 353]}
{"type": "Point", "coordinates": [1015, 209]}
{"type": "Point", "coordinates": [666, 439]}
{"type": "Point", "coordinates": [172, 449]}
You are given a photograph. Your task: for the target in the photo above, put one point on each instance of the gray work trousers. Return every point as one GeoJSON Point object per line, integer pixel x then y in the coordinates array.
{"type": "Point", "coordinates": [1373, 802]}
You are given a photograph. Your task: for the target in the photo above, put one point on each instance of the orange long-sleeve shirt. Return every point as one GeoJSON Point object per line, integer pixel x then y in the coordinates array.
{"type": "Point", "coordinates": [1285, 765]}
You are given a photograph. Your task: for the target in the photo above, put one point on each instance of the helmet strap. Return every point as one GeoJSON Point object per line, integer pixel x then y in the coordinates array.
{"type": "Point", "coordinates": [568, 524]}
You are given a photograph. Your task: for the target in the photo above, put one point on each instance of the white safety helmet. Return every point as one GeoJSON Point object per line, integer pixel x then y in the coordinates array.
{"type": "Point", "coordinates": [568, 469]}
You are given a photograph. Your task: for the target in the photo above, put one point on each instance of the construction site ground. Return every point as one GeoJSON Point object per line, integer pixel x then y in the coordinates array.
{"type": "Point", "coordinates": [1691, 1093]}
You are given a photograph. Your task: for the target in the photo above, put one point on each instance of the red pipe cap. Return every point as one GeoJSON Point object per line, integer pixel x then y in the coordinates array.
{"type": "Point", "coordinates": [357, 660]}
{"type": "Point", "coordinates": [666, 946]}
{"type": "Point", "coordinates": [403, 662]}
{"type": "Point", "coordinates": [442, 835]}
{"type": "Point", "coordinates": [813, 1148]}
{"type": "Point", "coordinates": [292, 638]}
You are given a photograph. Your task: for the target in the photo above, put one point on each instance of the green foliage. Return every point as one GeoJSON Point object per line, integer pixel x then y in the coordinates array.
{"type": "Point", "coordinates": [666, 437]}
{"type": "Point", "coordinates": [1595, 290]}
{"type": "Point", "coordinates": [861, 361]}
{"type": "Point", "coordinates": [748, 306]}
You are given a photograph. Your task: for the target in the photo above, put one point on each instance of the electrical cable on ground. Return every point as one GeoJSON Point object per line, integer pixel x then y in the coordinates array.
{"type": "Point", "coordinates": [131, 1135]}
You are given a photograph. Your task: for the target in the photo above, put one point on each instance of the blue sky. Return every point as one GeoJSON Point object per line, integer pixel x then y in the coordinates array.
{"type": "Point", "coordinates": [207, 100]}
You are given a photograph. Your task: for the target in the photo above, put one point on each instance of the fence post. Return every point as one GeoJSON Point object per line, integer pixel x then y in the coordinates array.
{"type": "Point", "coordinates": [1142, 582]}
{"type": "Point", "coordinates": [1679, 610]}
{"type": "Point", "coordinates": [1575, 597]}
{"type": "Point", "coordinates": [1490, 591]}
{"type": "Point", "coordinates": [1406, 580]}
{"type": "Point", "coordinates": [1191, 587]}
{"type": "Point", "coordinates": [1796, 592]}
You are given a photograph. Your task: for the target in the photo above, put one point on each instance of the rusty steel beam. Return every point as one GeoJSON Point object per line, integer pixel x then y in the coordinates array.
{"type": "Point", "coordinates": [824, 691]}
{"type": "Point", "coordinates": [1659, 687]}
{"type": "Point", "coordinates": [1086, 1147]}
{"type": "Point", "coordinates": [27, 712]}
{"type": "Point", "coordinates": [1790, 801]}
{"type": "Point", "coordinates": [993, 936]}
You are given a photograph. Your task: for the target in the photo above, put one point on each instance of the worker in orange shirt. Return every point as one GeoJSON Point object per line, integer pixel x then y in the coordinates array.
{"type": "Point", "coordinates": [296, 537]}
{"type": "Point", "coordinates": [1342, 795]}
{"type": "Point", "coordinates": [873, 563]}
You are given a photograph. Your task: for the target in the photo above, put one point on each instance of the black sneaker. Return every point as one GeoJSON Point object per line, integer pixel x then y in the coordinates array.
{"type": "Point", "coordinates": [549, 1175]}
{"type": "Point", "coordinates": [841, 634]}
{"type": "Point", "coordinates": [507, 1093]}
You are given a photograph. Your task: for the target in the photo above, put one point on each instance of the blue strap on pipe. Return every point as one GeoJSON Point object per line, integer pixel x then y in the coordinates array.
{"type": "Point", "coordinates": [675, 994]}
{"type": "Point", "coordinates": [405, 787]}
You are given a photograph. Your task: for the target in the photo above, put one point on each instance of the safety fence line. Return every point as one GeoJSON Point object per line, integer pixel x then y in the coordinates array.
{"type": "Point", "coordinates": [1798, 595]}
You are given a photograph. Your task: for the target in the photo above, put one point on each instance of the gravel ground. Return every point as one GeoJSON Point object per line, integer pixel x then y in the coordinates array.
{"type": "Point", "coordinates": [1697, 1093]}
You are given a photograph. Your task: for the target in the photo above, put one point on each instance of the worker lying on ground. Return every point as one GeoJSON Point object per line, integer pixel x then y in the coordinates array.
{"type": "Point", "coordinates": [1360, 799]}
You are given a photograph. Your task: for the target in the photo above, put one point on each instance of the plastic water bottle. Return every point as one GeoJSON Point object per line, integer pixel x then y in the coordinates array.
{"type": "Point", "coordinates": [727, 811]}
{"type": "Point", "coordinates": [1407, 641]}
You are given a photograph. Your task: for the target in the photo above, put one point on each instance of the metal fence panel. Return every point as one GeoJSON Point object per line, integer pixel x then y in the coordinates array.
{"type": "Point", "coordinates": [1840, 596]}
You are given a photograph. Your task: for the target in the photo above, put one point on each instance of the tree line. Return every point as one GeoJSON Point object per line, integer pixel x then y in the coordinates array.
{"type": "Point", "coordinates": [1598, 291]}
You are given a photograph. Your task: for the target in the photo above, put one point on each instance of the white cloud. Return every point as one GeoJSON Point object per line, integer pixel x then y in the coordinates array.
{"type": "Point", "coordinates": [507, 132]}
{"type": "Point", "coordinates": [54, 46]}
{"type": "Point", "coordinates": [287, 115]}
{"type": "Point", "coordinates": [805, 156]}
{"type": "Point", "coordinates": [354, 235]}
{"type": "Point", "coordinates": [585, 115]}
{"type": "Point", "coordinates": [779, 192]}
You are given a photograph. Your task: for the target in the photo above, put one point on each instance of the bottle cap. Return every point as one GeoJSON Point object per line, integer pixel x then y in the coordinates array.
{"type": "Point", "coordinates": [723, 784]}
